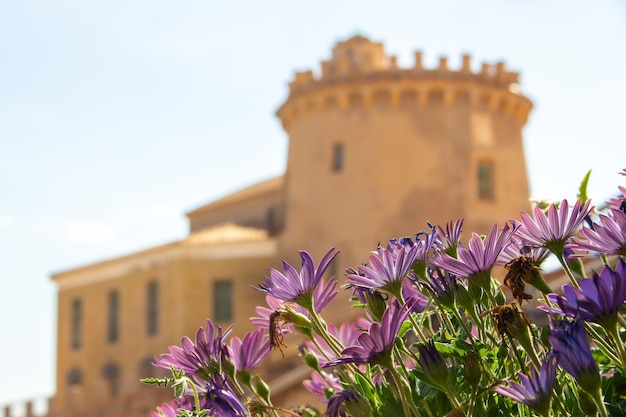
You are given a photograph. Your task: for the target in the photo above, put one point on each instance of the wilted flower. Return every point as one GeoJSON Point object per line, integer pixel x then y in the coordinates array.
{"type": "Point", "coordinates": [608, 236]}
{"type": "Point", "coordinates": [598, 299]}
{"type": "Point", "coordinates": [573, 353]}
{"type": "Point", "coordinates": [535, 389]}
{"type": "Point", "coordinates": [298, 287]}
{"type": "Point", "coordinates": [554, 229]}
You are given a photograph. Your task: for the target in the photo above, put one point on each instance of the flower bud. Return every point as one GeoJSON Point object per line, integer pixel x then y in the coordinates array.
{"type": "Point", "coordinates": [471, 369]}
{"type": "Point", "coordinates": [310, 359]}
{"type": "Point", "coordinates": [586, 404]}
{"type": "Point", "coordinates": [261, 388]}
{"type": "Point", "coordinates": [432, 364]}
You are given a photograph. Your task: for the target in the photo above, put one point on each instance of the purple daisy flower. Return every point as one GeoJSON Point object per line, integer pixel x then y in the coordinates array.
{"type": "Point", "coordinates": [347, 335]}
{"type": "Point", "coordinates": [555, 228]}
{"type": "Point", "coordinates": [478, 259]}
{"type": "Point", "coordinates": [413, 296]}
{"type": "Point", "coordinates": [518, 248]}
{"type": "Point", "coordinates": [247, 354]}
{"type": "Point", "coordinates": [374, 346]}
{"type": "Point", "coordinates": [448, 240]}
{"type": "Point", "coordinates": [347, 400]}
{"type": "Point", "coordinates": [535, 389]}
{"type": "Point", "coordinates": [432, 364]}
{"type": "Point", "coordinates": [442, 286]}
{"type": "Point", "coordinates": [424, 242]}
{"type": "Point", "coordinates": [598, 299]}
{"type": "Point", "coordinates": [573, 353]}
{"type": "Point", "coordinates": [203, 357]}
{"type": "Point", "coordinates": [322, 384]}
{"type": "Point", "coordinates": [294, 286]}
{"type": "Point", "coordinates": [608, 236]}
{"type": "Point", "coordinates": [164, 411]}
{"type": "Point", "coordinates": [219, 399]}
{"type": "Point", "coordinates": [386, 271]}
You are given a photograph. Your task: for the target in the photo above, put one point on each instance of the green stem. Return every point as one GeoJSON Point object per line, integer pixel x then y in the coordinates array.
{"type": "Point", "coordinates": [568, 271]}
{"type": "Point", "coordinates": [597, 398]}
{"type": "Point", "coordinates": [613, 333]}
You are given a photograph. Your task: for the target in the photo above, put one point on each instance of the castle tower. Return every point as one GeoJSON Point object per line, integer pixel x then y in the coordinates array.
{"type": "Point", "coordinates": [376, 150]}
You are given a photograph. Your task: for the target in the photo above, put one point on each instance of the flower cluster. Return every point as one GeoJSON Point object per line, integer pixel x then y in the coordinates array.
{"type": "Point", "coordinates": [438, 327]}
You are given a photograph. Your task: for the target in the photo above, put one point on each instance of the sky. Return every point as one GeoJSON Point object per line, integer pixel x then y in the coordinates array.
{"type": "Point", "coordinates": [118, 117]}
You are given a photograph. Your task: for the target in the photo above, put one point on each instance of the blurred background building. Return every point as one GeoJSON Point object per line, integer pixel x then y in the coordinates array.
{"type": "Point", "coordinates": [374, 152]}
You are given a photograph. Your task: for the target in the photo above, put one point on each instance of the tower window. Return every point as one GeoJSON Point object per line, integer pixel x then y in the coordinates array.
{"type": "Point", "coordinates": [114, 316]}
{"type": "Point", "coordinates": [152, 308]}
{"type": "Point", "coordinates": [223, 300]}
{"type": "Point", "coordinates": [485, 181]}
{"type": "Point", "coordinates": [74, 377]}
{"type": "Point", "coordinates": [77, 324]}
{"type": "Point", "coordinates": [338, 152]}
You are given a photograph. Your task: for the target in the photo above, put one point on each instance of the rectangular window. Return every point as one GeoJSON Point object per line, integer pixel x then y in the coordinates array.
{"type": "Point", "coordinates": [485, 181]}
{"type": "Point", "coordinates": [223, 300]}
{"type": "Point", "coordinates": [77, 324]}
{"type": "Point", "coordinates": [338, 157]}
{"type": "Point", "coordinates": [114, 316]}
{"type": "Point", "coordinates": [152, 308]}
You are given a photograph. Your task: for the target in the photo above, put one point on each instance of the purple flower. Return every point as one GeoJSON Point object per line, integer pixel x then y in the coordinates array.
{"type": "Point", "coordinates": [608, 236]}
{"type": "Point", "coordinates": [350, 401]}
{"type": "Point", "coordinates": [573, 353]}
{"type": "Point", "coordinates": [555, 228]}
{"type": "Point", "coordinates": [203, 357]}
{"type": "Point", "coordinates": [520, 247]}
{"type": "Point", "coordinates": [598, 299]}
{"type": "Point", "coordinates": [479, 258]}
{"type": "Point", "coordinates": [535, 389]}
{"type": "Point", "coordinates": [448, 240]}
{"type": "Point", "coordinates": [424, 242]}
{"type": "Point", "coordinates": [413, 296]}
{"type": "Point", "coordinates": [374, 346]}
{"type": "Point", "coordinates": [442, 286]}
{"type": "Point", "coordinates": [247, 354]}
{"type": "Point", "coordinates": [219, 399]}
{"type": "Point", "coordinates": [295, 286]}
{"type": "Point", "coordinates": [432, 364]}
{"type": "Point", "coordinates": [386, 271]}
{"type": "Point", "coordinates": [164, 411]}
{"type": "Point", "coordinates": [322, 384]}
{"type": "Point", "coordinates": [347, 335]}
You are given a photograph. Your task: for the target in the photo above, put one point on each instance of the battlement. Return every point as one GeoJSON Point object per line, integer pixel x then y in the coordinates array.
{"type": "Point", "coordinates": [360, 74]}
{"type": "Point", "coordinates": [359, 59]}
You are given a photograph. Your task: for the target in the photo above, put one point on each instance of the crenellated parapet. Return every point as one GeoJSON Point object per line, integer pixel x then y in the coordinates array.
{"type": "Point", "coordinates": [360, 74]}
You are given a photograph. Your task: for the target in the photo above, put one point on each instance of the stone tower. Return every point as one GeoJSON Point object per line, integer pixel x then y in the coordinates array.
{"type": "Point", "coordinates": [376, 150]}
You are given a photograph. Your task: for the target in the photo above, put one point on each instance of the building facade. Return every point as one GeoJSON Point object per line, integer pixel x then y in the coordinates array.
{"type": "Point", "coordinates": [374, 152]}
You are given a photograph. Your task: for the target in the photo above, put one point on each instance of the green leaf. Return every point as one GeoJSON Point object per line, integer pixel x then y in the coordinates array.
{"type": "Point", "coordinates": [582, 190]}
